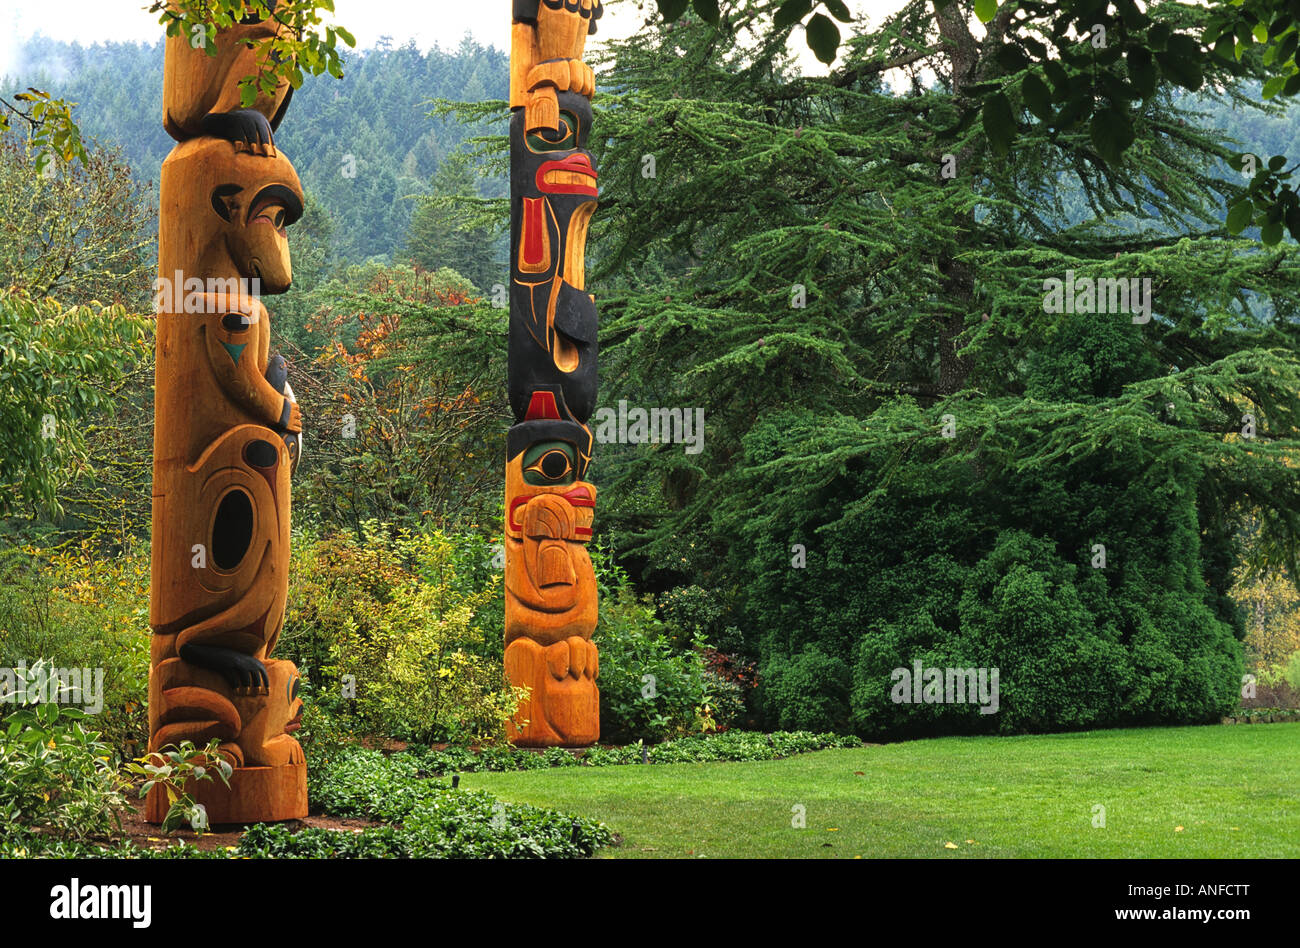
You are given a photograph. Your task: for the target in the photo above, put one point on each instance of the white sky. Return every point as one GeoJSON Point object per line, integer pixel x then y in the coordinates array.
{"type": "Point", "coordinates": [429, 22]}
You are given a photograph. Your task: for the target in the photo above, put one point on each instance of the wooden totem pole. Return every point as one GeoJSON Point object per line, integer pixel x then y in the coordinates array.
{"type": "Point", "coordinates": [226, 436]}
{"type": "Point", "coordinates": [550, 586]}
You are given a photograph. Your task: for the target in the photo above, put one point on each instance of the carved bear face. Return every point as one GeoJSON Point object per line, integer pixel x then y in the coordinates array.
{"type": "Point", "coordinates": [226, 212]}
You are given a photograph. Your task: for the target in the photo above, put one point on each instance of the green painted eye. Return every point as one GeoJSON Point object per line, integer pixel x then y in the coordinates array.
{"type": "Point", "coordinates": [548, 464]}
{"type": "Point", "coordinates": [547, 141]}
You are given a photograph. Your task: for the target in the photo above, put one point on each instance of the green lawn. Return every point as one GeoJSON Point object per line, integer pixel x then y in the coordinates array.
{"type": "Point", "coordinates": [1234, 791]}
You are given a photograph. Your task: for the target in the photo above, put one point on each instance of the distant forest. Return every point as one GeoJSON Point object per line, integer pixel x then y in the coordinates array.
{"type": "Point", "coordinates": [376, 122]}
{"type": "Point", "coordinates": [378, 114]}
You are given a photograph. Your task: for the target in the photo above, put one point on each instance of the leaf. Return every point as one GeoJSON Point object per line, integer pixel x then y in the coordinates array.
{"type": "Point", "coordinates": [1142, 71]}
{"type": "Point", "coordinates": [1271, 233]}
{"type": "Point", "coordinates": [1112, 133]}
{"type": "Point", "coordinates": [1239, 216]}
{"type": "Point", "coordinates": [708, 11]}
{"type": "Point", "coordinates": [790, 13]}
{"type": "Point", "coordinates": [838, 10]}
{"type": "Point", "coordinates": [673, 9]}
{"type": "Point", "coordinates": [1012, 58]}
{"type": "Point", "coordinates": [986, 9]}
{"type": "Point", "coordinates": [823, 37]}
{"type": "Point", "coordinates": [999, 122]}
{"type": "Point", "coordinates": [1038, 98]}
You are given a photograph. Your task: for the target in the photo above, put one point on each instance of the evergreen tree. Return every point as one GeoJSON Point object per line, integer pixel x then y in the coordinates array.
{"type": "Point", "coordinates": [854, 287]}
{"type": "Point", "coordinates": [442, 236]}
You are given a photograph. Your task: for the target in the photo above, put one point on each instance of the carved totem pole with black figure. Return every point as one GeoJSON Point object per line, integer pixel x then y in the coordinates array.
{"type": "Point", "coordinates": [550, 586]}
{"type": "Point", "coordinates": [227, 435]}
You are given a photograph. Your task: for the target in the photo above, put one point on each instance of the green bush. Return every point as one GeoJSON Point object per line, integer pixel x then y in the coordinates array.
{"type": "Point", "coordinates": [56, 777]}
{"type": "Point", "coordinates": [1293, 671]}
{"type": "Point", "coordinates": [79, 608]}
{"type": "Point", "coordinates": [436, 821]}
{"type": "Point", "coordinates": [728, 745]}
{"type": "Point", "coordinates": [397, 615]}
{"type": "Point", "coordinates": [808, 692]}
{"type": "Point", "coordinates": [961, 565]}
{"type": "Point", "coordinates": [649, 688]}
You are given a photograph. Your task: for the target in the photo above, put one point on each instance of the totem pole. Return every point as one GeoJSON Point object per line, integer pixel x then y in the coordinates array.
{"type": "Point", "coordinates": [550, 586]}
{"type": "Point", "coordinates": [226, 436]}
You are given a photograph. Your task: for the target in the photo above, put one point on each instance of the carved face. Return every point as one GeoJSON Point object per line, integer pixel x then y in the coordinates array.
{"type": "Point", "coordinates": [227, 211]}
{"type": "Point", "coordinates": [553, 321]}
{"type": "Point", "coordinates": [257, 235]}
{"type": "Point", "coordinates": [550, 584]}
{"type": "Point", "coordinates": [285, 707]}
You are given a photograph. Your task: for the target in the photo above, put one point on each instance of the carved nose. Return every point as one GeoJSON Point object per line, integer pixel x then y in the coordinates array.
{"type": "Point", "coordinates": [554, 567]}
{"type": "Point", "coordinates": [547, 517]}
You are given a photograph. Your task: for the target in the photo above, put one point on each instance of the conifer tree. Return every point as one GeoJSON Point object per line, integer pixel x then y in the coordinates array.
{"type": "Point", "coordinates": [982, 466]}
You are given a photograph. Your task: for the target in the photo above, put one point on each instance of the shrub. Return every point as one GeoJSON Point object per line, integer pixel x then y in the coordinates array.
{"type": "Point", "coordinates": [649, 689]}
{"type": "Point", "coordinates": [396, 615]}
{"type": "Point", "coordinates": [808, 692]}
{"type": "Point", "coordinates": [1293, 671]}
{"type": "Point", "coordinates": [436, 821]}
{"type": "Point", "coordinates": [730, 745]}
{"type": "Point", "coordinates": [55, 776]}
{"type": "Point", "coordinates": [960, 563]}
{"type": "Point", "coordinates": [77, 608]}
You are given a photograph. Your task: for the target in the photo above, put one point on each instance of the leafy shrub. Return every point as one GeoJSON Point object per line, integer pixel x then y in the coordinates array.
{"type": "Point", "coordinates": [730, 681]}
{"type": "Point", "coordinates": [77, 608]}
{"type": "Point", "coordinates": [962, 563]}
{"type": "Point", "coordinates": [808, 692]}
{"type": "Point", "coordinates": [729, 745]}
{"type": "Point", "coordinates": [436, 821]}
{"type": "Point", "coordinates": [55, 776]}
{"type": "Point", "coordinates": [1293, 672]}
{"type": "Point", "coordinates": [649, 689]}
{"type": "Point", "coordinates": [171, 768]}
{"type": "Point", "coordinates": [395, 613]}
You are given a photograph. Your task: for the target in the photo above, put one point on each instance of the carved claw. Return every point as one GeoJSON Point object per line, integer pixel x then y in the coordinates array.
{"type": "Point", "coordinates": [542, 110]}
{"type": "Point", "coordinates": [546, 80]}
{"type": "Point", "coordinates": [246, 127]}
{"type": "Point", "coordinates": [240, 670]}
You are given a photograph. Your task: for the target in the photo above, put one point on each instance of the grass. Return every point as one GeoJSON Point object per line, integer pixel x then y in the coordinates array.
{"type": "Point", "coordinates": [1206, 792]}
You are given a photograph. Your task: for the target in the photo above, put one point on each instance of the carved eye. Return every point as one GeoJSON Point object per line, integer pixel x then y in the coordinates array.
{"type": "Point", "coordinates": [549, 464]}
{"type": "Point", "coordinates": [547, 141]}
{"type": "Point", "coordinates": [235, 322]}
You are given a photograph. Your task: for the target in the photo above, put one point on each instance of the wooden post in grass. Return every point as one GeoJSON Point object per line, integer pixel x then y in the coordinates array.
{"type": "Point", "coordinates": [226, 436]}
{"type": "Point", "coordinates": [550, 586]}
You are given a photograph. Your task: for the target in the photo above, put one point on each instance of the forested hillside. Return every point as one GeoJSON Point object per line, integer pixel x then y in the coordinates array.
{"type": "Point", "coordinates": [364, 146]}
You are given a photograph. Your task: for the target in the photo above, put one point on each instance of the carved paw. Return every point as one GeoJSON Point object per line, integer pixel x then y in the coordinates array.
{"type": "Point", "coordinates": [573, 658]}
{"type": "Point", "coordinates": [247, 129]}
{"type": "Point", "coordinates": [242, 672]}
{"type": "Point", "coordinates": [562, 75]}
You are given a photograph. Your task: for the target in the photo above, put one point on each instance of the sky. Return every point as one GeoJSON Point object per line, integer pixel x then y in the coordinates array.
{"type": "Point", "coordinates": [429, 22]}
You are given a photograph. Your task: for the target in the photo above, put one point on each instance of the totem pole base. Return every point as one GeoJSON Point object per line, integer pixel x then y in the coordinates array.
{"type": "Point", "coordinates": [256, 795]}
{"type": "Point", "coordinates": [564, 707]}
